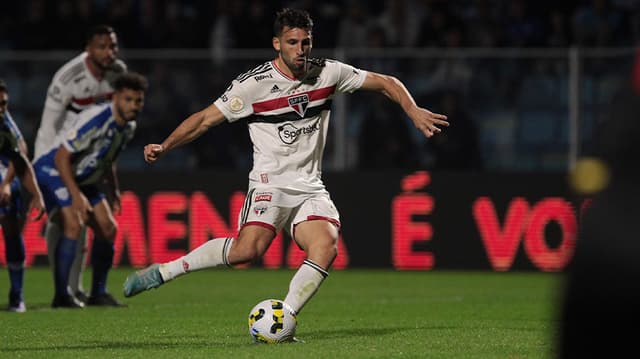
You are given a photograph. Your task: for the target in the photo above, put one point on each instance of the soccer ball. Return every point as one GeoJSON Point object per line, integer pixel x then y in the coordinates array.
{"type": "Point", "coordinates": [272, 321]}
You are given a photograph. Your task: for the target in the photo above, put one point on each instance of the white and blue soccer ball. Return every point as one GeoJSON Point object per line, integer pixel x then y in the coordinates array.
{"type": "Point", "coordinates": [272, 321]}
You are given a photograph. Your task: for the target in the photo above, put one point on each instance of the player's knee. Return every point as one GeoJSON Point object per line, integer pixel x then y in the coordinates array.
{"type": "Point", "coordinates": [331, 251]}
{"type": "Point", "coordinates": [72, 229]}
{"type": "Point", "coordinates": [109, 231]}
{"type": "Point", "coordinates": [246, 250]}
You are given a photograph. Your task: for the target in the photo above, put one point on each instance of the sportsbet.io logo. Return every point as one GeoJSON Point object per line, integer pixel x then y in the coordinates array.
{"type": "Point", "coordinates": [289, 133]}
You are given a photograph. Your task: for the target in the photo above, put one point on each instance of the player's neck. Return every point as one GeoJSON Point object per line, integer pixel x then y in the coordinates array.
{"type": "Point", "coordinates": [120, 121]}
{"type": "Point", "coordinates": [93, 69]}
{"type": "Point", "coordinates": [282, 67]}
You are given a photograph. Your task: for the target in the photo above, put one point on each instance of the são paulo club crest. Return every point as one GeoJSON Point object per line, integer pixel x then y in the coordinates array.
{"type": "Point", "coordinates": [299, 103]}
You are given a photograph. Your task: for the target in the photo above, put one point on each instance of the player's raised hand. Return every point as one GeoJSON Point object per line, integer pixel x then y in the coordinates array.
{"type": "Point", "coordinates": [427, 121]}
{"type": "Point", "coordinates": [152, 152]}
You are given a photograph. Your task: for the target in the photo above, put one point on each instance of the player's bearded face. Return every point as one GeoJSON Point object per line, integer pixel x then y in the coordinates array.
{"type": "Point", "coordinates": [294, 46]}
{"type": "Point", "coordinates": [129, 103]}
{"type": "Point", "coordinates": [103, 50]}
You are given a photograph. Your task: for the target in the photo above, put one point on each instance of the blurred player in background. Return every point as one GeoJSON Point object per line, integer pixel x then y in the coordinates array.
{"type": "Point", "coordinates": [69, 175]}
{"type": "Point", "coordinates": [599, 308]}
{"type": "Point", "coordinates": [83, 81]}
{"type": "Point", "coordinates": [287, 103]}
{"type": "Point", "coordinates": [13, 159]}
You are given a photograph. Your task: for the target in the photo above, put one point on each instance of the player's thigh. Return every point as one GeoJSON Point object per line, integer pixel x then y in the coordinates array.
{"type": "Point", "coordinates": [315, 228]}
{"type": "Point", "coordinates": [316, 216]}
{"type": "Point", "coordinates": [318, 234]}
{"type": "Point", "coordinates": [102, 221]}
{"type": "Point", "coordinates": [256, 236]}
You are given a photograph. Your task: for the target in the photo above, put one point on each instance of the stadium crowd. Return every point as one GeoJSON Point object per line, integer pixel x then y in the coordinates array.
{"type": "Point", "coordinates": [493, 103]}
{"type": "Point", "coordinates": [40, 24]}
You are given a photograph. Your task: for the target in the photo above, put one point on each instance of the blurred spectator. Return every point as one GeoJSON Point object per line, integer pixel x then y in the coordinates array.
{"type": "Point", "coordinates": [384, 134]}
{"type": "Point", "coordinates": [597, 24]}
{"type": "Point", "coordinates": [522, 28]}
{"type": "Point", "coordinates": [400, 21]}
{"type": "Point", "coordinates": [457, 147]}
{"type": "Point", "coordinates": [353, 28]}
{"type": "Point", "coordinates": [435, 25]}
{"type": "Point", "coordinates": [558, 30]}
{"type": "Point", "coordinates": [482, 24]}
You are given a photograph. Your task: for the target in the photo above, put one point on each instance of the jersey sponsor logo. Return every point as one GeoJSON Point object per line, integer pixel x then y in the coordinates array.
{"type": "Point", "coordinates": [299, 103]}
{"type": "Point", "coordinates": [263, 196]}
{"type": "Point", "coordinates": [256, 71]}
{"type": "Point", "coordinates": [289, 133]}
{"type": "Point", "coordinates": [262, 77]}
{"type": "Point", "coordinates": [236, 104]}
{"type": "Point", "coordinates": [275, 89]}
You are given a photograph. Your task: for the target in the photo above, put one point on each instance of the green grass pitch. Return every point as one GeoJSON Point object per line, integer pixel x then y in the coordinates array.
{"type": "Point", "coordinates": [355, 314]}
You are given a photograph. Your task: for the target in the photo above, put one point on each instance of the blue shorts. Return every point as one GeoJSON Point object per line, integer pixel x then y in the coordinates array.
{"type": "Point", "coordinates": [16, 206]}
{"type": "Point", "coordinates": [56, 194]}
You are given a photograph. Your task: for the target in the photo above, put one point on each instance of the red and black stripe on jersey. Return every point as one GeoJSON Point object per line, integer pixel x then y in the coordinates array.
{"type": "Point", "coordinates": [260, 108]}
{"type": "Point", "coordinates": [291, 115]}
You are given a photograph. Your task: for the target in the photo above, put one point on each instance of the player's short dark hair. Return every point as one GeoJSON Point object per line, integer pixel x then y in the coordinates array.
{"type": "Point", "coordinates": [292, 18]}
{"type": "Point", "coordinates": [99, 30]}
{"type": "Point", "coordinates": [130, 80]}
{"type": "Point", "coordinates": [3, 86]}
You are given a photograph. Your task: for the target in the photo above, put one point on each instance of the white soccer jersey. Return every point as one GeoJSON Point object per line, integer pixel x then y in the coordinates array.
{"type": "Point", "coordinates": [72, 89]}
{"type": "Point", "coordinates": [288, 120]}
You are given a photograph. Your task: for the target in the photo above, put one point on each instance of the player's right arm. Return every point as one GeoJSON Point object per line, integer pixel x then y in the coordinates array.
{"type": "Point", "coordinates": [190, 129]}
{"type": "Point", "coordinates": [28, 179]}
{"type": "Point", "coordinates": [59, 95]}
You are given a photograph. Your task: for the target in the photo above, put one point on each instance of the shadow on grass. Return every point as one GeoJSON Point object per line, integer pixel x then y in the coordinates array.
{"type": "Point", "coordinates": [355, 332]}
{"type": "Point", "coordinates": [150, 343]}
{"type": "Point", "coordinates": [205, 341]}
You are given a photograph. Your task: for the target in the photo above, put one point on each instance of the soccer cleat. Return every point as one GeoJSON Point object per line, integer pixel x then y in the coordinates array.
{"type": "Point", "coordinates": [81, 296]}
{"type": "Point", "coordinates": [16, 304]}
{"type": "Point", "coordinates": [142, 280]}
{"type": "Point", "coordinates": [66, 301]}
{"type": "Point", "coordinates": [104, 300]}
{"type": "Point", "coordinates": [17, 308]}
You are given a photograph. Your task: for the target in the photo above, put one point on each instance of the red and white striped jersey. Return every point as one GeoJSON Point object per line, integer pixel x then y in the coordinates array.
{"type": "Point", "coordinates": [288, 120]}
{"type": "Point", "coordinates": [73, 89]}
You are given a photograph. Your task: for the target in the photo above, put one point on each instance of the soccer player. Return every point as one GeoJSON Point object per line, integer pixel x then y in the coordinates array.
{"type": "Point", "coordinates": [83, 81]}
{"type": "Point", "coordinates": [286, 102]}
{"type": "Point", "coordinates": [13, 159]}
{"type": "Point", "coordinates": [70, 174]}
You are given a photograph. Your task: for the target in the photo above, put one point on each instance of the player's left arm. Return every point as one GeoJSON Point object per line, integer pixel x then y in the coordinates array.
{"type": "Point", "coordinates": [425, 120]}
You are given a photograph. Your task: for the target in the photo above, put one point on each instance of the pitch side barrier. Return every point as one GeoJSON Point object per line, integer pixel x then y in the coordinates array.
{"type": "Point", "coordinates": [407, 220]}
